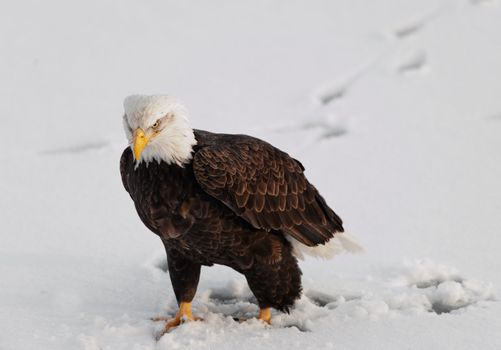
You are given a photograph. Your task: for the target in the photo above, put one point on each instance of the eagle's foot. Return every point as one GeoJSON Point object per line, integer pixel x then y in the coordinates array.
{"type": "Point", "coordinates": [265, 315]}
{"type": "Point", "coordinates": [184, 314]}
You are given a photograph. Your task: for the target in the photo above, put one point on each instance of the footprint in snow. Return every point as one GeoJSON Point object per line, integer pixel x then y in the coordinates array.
{"type": "Point", "coordinates": [418, 23]}
{"type": "Point", "coordinates": [443, 289]}
{"type": "Point", "coordinates": [418, 288]}
{"type": "Point", "coordinates": [410, 28]}
{"type": "Point", "coordinates": [329, 119]}
{"type": "Point", "coordinates": [484, 2]}
{"type": "Point", "coordinates": [78, 149]}
{"type": "Point", "coordinates": [329, 301]}
{"type": "Point", "coordinates": [329, 116]}
{"type": "Point", "coordinates": [411, 62]}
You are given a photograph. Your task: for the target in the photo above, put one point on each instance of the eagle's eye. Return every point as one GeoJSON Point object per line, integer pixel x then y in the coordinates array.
{"type": "Point", "coordinates": [157, 123]}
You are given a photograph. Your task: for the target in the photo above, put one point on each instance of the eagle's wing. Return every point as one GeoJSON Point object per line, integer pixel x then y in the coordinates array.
{"type": "Point", "coordinates": [266, 187]}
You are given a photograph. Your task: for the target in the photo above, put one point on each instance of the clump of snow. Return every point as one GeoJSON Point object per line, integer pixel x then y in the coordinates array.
{"type": "Point", "coordinates": [425, 273]}
{"type": "Point", "coordinates": [440, 289]}
{"type": "Point", "coordinates": [444, 289]}
{"type": "Point", "coordinates": [421, 287]}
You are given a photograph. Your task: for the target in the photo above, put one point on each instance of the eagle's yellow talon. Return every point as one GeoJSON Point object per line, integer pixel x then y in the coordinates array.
{"type": "Point", "coordinates": [184, 314]}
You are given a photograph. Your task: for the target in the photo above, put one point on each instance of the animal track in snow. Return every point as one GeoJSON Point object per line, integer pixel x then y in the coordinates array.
{"type": "Point", "coordinates": [419, 288]}
{"type": "Point", "coordinates": [437, 282]}
{"type": "Point", "coordinates": [443, 289]}
{"type": "Point", "coordinates": [484, 2]}
{"type": "Point", "coordinates": [329, 124]}
{"type": "Point", "coordinates": [76, 149]}
{"type": "Point", "coordinates": [418, 23]}
{"type": "Point", "coordinates": [415, 61]}
{"type": "Point", "coordinates": [325, 122]}
{"type": "Point", "coordinates": [329, 116]}
{"type": "Point", "coordinates": [329, 301]}
{"type": "Point", "coordinates": [234, 300]}
{"type": "Point", "coordinates": [321, 299]}
{"type": "Point", "coordinates": [334, 93]}
{"type": "Point", "coordinates": [409, 28]}
{"type": "Point", "coordinates": [336, 90]}
{"type": "Point", "coordinates": [234, 292]}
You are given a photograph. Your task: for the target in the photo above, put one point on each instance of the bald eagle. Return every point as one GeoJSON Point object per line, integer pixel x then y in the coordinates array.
{"type": "Point", "coordinates": [233, 200]}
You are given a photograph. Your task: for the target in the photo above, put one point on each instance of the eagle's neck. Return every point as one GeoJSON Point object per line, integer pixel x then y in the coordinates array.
{"type": "Point", "coordinates": [173, 145]}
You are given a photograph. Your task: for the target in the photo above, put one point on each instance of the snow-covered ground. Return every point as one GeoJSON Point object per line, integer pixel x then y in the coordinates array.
{"type": "Point", "coordinates": [392, 105]}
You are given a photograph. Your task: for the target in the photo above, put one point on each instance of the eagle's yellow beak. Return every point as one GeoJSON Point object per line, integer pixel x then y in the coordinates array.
{"type": "Point", "coordinates": [140, 142]}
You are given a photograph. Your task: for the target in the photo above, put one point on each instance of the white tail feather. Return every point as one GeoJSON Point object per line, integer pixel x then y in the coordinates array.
{"type": "Point", "coordinates": [340, 243]}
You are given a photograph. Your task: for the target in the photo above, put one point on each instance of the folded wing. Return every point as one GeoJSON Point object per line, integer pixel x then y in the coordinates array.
{"type": "Point", "coordinates": [266, 187]}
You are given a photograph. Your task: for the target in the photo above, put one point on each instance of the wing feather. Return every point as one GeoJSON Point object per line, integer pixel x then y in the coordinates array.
{"type": "Point", "coordinates": [266, 187]}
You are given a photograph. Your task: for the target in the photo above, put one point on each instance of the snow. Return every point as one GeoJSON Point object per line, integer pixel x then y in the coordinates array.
{"type": "Point", "coordinates": [391, 105]}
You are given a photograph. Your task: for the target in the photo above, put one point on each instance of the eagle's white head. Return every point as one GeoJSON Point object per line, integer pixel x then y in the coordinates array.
{"type": "Point", "coordinates": [157, 128]}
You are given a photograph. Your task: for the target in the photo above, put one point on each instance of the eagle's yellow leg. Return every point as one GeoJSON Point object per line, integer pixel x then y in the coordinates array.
{"type": "Point", "coordinates": [265, 315]}
{"type": "Point", "coordinates": [184, 314]}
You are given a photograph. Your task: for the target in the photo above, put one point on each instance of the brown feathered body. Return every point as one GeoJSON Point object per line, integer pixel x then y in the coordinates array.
{"type": "Point", "coordinates": [234, 204]}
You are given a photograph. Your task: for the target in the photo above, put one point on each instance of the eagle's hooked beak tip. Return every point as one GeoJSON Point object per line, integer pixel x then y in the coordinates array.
{"type": "Point", "coordinates": [139, 143]}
